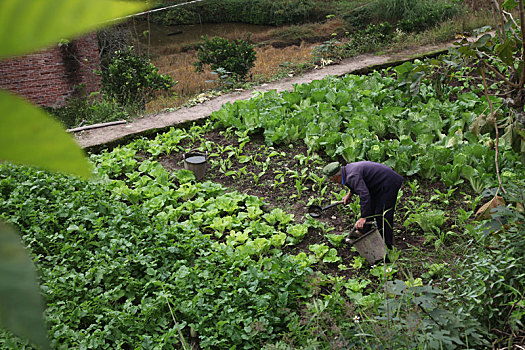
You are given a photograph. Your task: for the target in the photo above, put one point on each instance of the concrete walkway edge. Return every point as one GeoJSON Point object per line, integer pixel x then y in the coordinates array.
{"type": "Point", "coordinates": [96, 139]}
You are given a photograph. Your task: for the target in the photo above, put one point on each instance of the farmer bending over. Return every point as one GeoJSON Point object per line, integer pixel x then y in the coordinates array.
{"type": "Point", "coordinates": [377, 186]}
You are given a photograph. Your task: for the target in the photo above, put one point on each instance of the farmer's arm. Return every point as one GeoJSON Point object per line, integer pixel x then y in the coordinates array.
{"type": "Point", "coordinates": [346, 198]}
{"type": "Point", "coordinates": [357, 184]}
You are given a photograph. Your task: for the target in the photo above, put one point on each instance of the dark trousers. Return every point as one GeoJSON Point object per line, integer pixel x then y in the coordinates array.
{"type": "Point", "coordinates": [384, 204]}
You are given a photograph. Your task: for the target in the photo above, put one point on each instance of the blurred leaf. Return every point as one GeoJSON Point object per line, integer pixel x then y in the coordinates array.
{"type": "Point", "coordinates": [483, 40]}
{"type": "Point", "coordinates": [508, 5]}
{"type": "Point", "coordinates": [21, 307]}
{"type": "Point", "coordinates": [505, 52]}
{"type": "Point", "coordinates": [29, 136]}
{"type": "Point", "coordinates": [35, 24]}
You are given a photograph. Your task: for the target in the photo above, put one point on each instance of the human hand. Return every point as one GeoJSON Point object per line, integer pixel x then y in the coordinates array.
{"type": "Point", "coordinates": [346, 198]}
{"type": "Point", "coordinates": [360, 223]}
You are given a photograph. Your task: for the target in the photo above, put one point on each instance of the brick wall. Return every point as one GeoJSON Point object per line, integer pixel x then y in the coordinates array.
{"type": "Point", "coordinates": [49, 77]}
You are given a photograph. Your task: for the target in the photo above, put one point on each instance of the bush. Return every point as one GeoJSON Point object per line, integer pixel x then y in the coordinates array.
{"type": "Point", "coordinates": [264, 12]}
{"type": "Point", "coordinates": [80, 111]}
{"type": "Point", "coordinates": [369, 39]}
{"type": "Point", "coordinates": [428, 15]}
{"type": "Point", "coordinates": [132, 80]}
{"type": "Point", "coordinates": [490, 285]}
{"type": "Point", "coordinates": [359, 17]}
{"type": "Point", "coordinates": [237, 57]}
{"type": "Point", "coordinates": [415, 15]}
{"type": "Point", "coordinates": [416, 317]}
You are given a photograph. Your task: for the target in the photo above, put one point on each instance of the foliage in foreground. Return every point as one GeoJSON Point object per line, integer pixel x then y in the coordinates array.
{"type": "Point", "coordinates": [48, 147]}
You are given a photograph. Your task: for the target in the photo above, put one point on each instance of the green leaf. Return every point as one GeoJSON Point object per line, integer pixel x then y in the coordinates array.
{"type": "Point", "coordinates": [505, 52]}
{"type": "Point", "coordinates": [483, 40]}
{"type": "Point", "coordinates": [508, 5]}
{"type": "Point", "coordinates": [29, 136]}
{"type": "Point", "coordinates": [21, 307]}
{"type": "Point", "coordinates": [34, 24]}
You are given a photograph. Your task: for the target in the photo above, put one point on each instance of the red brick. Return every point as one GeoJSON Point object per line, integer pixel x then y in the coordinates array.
{"type": "Point", "coordinates": [42, 78]}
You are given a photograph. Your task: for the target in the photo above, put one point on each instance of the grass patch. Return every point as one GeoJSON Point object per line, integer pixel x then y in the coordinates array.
{"type": "Point", "coordinates": [443, 32]}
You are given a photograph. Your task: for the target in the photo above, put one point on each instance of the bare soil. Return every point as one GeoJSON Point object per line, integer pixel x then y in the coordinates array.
{"type": "Point", "coordinates": [340, 218]}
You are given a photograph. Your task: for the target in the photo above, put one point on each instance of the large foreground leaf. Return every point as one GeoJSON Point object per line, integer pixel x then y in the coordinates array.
{"type": "Point", "coordinates": [34, 24]}
{"type": "Point", "coordinates": [29, 136]}
{"type": "Point", "coordinates": [21, 307]}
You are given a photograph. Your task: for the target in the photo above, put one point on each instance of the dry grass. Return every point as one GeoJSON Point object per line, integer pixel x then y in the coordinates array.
{"type": "Point", "coordinates": [180, 67]}
{"type": "Point", "coordinates": [190, 83]}
{"type": "Point", "coordinates": [270, 62]}
{"type": "Point", "coordinates": [177, 59]}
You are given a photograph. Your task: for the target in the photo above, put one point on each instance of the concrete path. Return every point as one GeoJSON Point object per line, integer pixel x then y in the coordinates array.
{"type": "Point", "coordinates": [104, 137]}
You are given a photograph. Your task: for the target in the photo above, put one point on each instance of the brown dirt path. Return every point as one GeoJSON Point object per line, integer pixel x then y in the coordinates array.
{"type": "Point", "coordinates": [101, 137]}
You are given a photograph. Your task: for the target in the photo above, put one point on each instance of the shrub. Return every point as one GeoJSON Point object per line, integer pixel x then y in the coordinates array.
{"type": "Point", "coordinates": [237, 57]}
{"type": "Point", "coordinates": [416, 317]}
{"type": "Point", "coordinates": [133, 80]}
{"type": "Point", "coordinates": [369, 39]}
{"type": "Point", "coordinates": [359, 17]}
{"type": "Point", "coordinates": [490, 284]}
{"type": "Point", "coordinates": [415, 15]}
{"type": "Point", "coordinates": [80, 111]}
{"type": "Point", "coordinates": [290, 11]}
{"type": "Point", "coordinates": [329, 50]}
{"type": "Point", "coordinates": [265, 12]}
{"type": "Point", "coordinates": [427, 15]}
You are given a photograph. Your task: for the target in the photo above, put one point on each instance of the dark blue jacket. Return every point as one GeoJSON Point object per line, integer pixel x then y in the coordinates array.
{"type": "Point", "coordinates": [369, 180]}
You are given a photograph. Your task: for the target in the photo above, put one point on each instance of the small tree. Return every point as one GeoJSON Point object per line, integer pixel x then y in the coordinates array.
{"type": "Point", "coordinates": [236, 57]}
{"type": "Point", "coordinates": [131, 79]}
{"type": "Point", "coordinates": [500, 53]}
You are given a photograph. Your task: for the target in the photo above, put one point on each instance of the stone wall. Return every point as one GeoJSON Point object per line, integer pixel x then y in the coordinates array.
{"type": "Point", "coordinates": [49, 77]}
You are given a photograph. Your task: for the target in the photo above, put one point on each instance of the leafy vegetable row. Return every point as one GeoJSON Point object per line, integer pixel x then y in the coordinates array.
{"type": "Point", "coordinates": [373, 118]}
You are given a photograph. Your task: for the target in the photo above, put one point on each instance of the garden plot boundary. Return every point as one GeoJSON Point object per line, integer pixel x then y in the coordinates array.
{"type": "Point", "coordinates": [110, 136]}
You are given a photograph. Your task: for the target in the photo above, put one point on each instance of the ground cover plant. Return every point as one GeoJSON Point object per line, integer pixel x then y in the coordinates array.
{"type": "Point", "coordinates": [145, 256]}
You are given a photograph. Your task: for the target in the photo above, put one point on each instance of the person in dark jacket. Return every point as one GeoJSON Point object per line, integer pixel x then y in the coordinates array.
{"type": "Point", "coordinates": [377, 186]}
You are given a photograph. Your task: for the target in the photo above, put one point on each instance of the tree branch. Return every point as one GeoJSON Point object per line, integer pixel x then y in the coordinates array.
{"type": "Point", "coordinates": [492, 112]}
{"type": "Point", "coordinates": [522, 77]}
{"type": "Point", "coordinates": [501, 76]}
